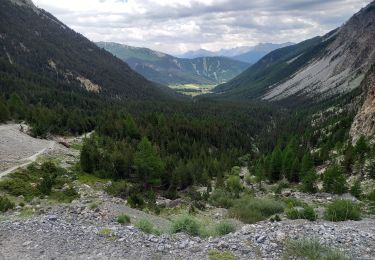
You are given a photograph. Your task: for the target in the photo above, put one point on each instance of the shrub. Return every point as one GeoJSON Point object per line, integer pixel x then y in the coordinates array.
{"type": "Point", "coordinates": [221, 198]}
{"type": "Point", "coordinates": [123, 219]}
{"type": "Point", "coordinates": [65, 196]}
{"type": "Point", "coordinates": [217, 255]}
{"type": "Point", "coordinates": [371, 195]}
{"type": "Point", "coordinates": [342, 210]}
{"type": "Point", "coordinates": [224, 228]}
{"type": "Point", "coordinates": [5, 204]}
{"type": "Point", "coordinates": [311, 249]}
{"type": "Point", "coordinates": [306, 212]}
{"type": "Point", "coordinates": [251, 210]}
{"type": "Point", "coordinates": [147, 227]}
{"type": "Point", "coordinates": [118, 189]}
{"type": "Point", "coordinates": [334, 181]}
{"type": "Point", "coordinates": [309, 181]}
{"type": "Point", "coordinates": [283, 184]}
{"type": "Point", "coordinates": [233, 185]}
{"type": "Point", "coordinates": [186, 224]}
{"type": "Point", "coordinates": [135, 200]}
{"type": "Point", "coordinates": [356, 190]}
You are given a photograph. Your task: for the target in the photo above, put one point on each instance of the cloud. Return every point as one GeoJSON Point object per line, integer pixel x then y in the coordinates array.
{"type": "Point", "coordinates": [175, 26]}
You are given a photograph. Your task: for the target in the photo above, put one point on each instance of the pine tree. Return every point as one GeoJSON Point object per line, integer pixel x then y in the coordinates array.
{"type": "Point", "coordinates": [334, 181]}
{"type": "Point", "coordinates": [4, 112]}
{"type": "Point", "coordinates": [309, 181]}
{"type": "Point", "coordinates": [276, 165]}
{"type": "Point", "coordinates": [148, 163]}
{"type": "Point", "coordinates": [306, 165]}
{"type": "Point", "coordinates": [89, 156]}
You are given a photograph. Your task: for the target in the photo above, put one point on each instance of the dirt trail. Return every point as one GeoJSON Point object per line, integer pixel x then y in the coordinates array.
{"type": "Point", "coordinates": [18, 149]}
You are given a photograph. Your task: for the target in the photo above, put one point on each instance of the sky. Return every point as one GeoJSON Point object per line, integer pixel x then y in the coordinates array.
{"type": "Point", "coordinates": [177, 26]}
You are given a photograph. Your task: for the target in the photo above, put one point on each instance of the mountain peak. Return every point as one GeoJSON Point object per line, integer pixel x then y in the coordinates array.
{"type": "Point", "coordinates": [27, 3]}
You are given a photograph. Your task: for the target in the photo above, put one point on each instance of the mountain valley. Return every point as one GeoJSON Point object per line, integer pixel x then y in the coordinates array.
{"type": "Point", "coordinates": [101, 157]}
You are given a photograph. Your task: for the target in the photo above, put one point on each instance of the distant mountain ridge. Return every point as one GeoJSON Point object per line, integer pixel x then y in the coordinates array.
{"type": "Point", "coordinates": [316, 69]}
{"type": "Point", "coordinates": [169, 70]}
{"type": "Point", "coordinates": [245, 53]}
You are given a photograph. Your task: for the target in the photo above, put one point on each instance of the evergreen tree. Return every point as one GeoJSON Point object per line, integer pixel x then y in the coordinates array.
{"type": "Point", "coordinates": [276, 165]}
{"type": "Point", "coordinates": [361, 147]}
{"type": "Point", "coordinates": [233, 185]}
{"type": "Point", "coordinates": [4, 112]}
{"type": "Point", "coordinates": [148, 163]}
{"type": "Point", "coordinates": [309, 181]}
{"type": "Point", "coordinates": [89, 156]}
{"type": "Point", "coordinates": [334, 181]}
{"type": "Point", "coordinates": [306, 165]}
{"type": "Point", "coordinates": [356, 189]}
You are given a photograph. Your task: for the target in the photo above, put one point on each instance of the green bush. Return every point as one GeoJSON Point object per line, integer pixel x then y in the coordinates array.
{"type": "Point", "coordinates": [186, 224]}
{"type": "Point", "coordinates": [311, 249]}
{"type": "Point", "coordinates": [307, 212]}
{"type": "Point", "coordinates": [147, 227]}
{"type": "Point", "coordinates": [342, 210]}
{"type": "Point", "coordinates": [309, 181]}
{"type": "Point", "coordinates": [118, 189]}
{"type": "Point", "coordinates": [371, 196]}
{"type": "Point", "coordinates": [334, 181]}
{"type": "Point", "coordinates": [283, 184]}
{"type": "Point", "coordinates": [5, 204]}
{"type": "Point", "coordinates": [123, 219]}
{"type": "Point", "coordinates": [221, 198]}
{"type": "Point", "coordinates": [251, 210]}
{"type": "Point", "coordinates": [224, 228]}
{"type": "Point", "coordinates": [136, 200]}
{"type": "Point", "coordinates": [356, 190]}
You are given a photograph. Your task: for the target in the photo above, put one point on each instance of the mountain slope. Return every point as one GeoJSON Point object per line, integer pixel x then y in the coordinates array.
{"type": "Point", "coordinates": [316, 69]}
{"type": "Point", "coordinates": [39, 45]}
{"type": "Point", "coordinates": [274, 67]}
{"type": "Point", "coordinates": [255, 53]}
{"type": "Point", "coordinates": [169, 70]}
{"type": "Point", "coordinates": [249, 54]}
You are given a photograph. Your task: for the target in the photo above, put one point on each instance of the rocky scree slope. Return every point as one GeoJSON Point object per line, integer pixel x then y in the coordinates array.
{"type": "Point", "coordinates": [169, 70]}
{"type": "Point", "coordinates": [80, 231]}
{"type": "Point", "coordinates": [37, 47]}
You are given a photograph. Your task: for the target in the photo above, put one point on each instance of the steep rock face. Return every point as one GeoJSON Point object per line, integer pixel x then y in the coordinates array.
{"type": "Point", "coordinates": [342, 66]}
{"type": "Point", "coordinates": [364, 121]}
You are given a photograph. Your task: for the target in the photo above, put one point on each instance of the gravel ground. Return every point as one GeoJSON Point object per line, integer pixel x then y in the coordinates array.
{"type": "Point", "coordinates": [17, 147]}
{"type": "Point", "coordinates": [75, 231]}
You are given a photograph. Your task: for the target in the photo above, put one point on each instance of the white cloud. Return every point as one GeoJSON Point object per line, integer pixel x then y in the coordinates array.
{"type": "Point", "coordinates": [176, 26]}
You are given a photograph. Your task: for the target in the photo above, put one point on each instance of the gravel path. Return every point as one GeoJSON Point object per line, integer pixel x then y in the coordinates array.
{"type": "Point", "coordinates": [18, 149]}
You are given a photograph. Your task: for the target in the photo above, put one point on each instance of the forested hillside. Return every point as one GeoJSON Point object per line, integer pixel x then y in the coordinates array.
{"type": "Point", "coordinates": [48, 53]}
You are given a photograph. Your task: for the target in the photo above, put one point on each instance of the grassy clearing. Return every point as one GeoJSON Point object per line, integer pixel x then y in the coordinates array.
{"type": "Point", "coordinates": [311, 249]}
{"type": "Point", "coordinates": [251, 210]}
{"type": "Point", "coordinates": [217, 255]}
{"type": "Point", "coordinates": [193, 89]}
